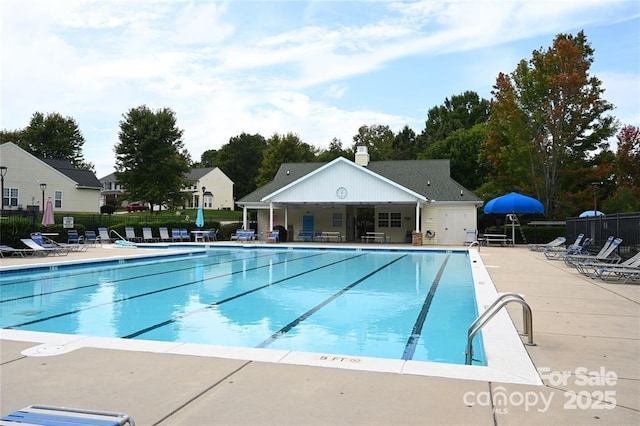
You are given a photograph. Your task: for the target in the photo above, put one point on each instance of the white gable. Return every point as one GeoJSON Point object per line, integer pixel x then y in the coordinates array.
{"type": "Point", "coordinates": [344, 182]}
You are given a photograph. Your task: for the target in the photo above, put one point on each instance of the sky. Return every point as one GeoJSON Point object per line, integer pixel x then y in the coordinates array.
{"type": "Point", "coordinates": [320, 69]}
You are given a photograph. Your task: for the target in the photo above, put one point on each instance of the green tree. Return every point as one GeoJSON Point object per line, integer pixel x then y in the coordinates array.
{"type": "Point", "coordinates": [334, 151]}
{"type": "Point", "coordinates": [150, 158]}
{"type": "Point", "coordinates": [405, 145]}
{"type": "Point", "coordinates": [378, 139]}
{"type": "Point", "coordinates": [52, 136]}
{"type": "Point", "coordinates": [209, 158]}
{"type": "Point", "coordinates": [240, 160]}
{"type": "Point", "coordinates": [280, 149]}
{"type": "Point", "coordinates": [463, 148]}
{"type": "Point", "coordinates": [460, 112]}
{"type": "Point", "coordinates": [547, 119]}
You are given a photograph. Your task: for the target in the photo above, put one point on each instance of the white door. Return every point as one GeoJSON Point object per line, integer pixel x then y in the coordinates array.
{"type": "Point", "coordinates": [453, 226]}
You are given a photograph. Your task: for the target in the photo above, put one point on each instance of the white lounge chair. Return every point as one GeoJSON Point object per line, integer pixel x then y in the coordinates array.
{"type": "Point", "coordinates": [606, 254]}
{"type": "Point", "coordinates": [51, 415]}
{"type": "Point", "coordinates": [557, 242]}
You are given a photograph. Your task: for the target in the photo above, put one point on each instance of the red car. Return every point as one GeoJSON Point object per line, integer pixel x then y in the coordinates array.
{"type": "Point", "coordinates": [137, 206]}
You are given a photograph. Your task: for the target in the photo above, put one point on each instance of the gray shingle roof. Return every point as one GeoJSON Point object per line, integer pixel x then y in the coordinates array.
{"type": "Point", "coordinates": [84, 178]}
{"type": "Point", "coordinates": [430, 178]}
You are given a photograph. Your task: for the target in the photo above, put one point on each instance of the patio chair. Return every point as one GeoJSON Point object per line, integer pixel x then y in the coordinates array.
{"type": "Point", "coordinates": [147, 236]}
{"type": "Point", "coordinates": [175, 234]}
{"type": "Point", "coordinates": [606, 254]}
{"type": "Point", "coordinates": [103, 235]}
{"type": "Point", "coordinates": [273, 237]}
{"type": "Point", "coordinates": [627, 272]}
{"type": "Point", "coordinates": [212, 235]}
{"type": "Point", "coordinates": [164, 234]}
{"type": "Point", "coordinates": [557, 242]}
{"type": "Point", "coordinates": [130, 234]}
{"type": "Point", "coordinates": [51, 415]}
{"type": "Point", "coordinates": [184, 235]}
{"type": "Point", "coordinates": [73, 237]}
{"type": "Point", "coordinates": [90, 238]}
{"type": "Point", "coordinates": [47, 242]}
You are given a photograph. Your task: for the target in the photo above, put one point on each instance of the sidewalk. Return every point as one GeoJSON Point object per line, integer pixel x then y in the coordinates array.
{"type": "Point", "coordinates": [580, 326]}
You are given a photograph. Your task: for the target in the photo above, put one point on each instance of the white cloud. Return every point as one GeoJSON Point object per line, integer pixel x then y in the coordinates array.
{"type": "Point", "coordinates": [311, 68]}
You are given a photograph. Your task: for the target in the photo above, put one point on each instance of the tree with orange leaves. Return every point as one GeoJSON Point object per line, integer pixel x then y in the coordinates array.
{"type": "Point", "coordinates": [548, 120]}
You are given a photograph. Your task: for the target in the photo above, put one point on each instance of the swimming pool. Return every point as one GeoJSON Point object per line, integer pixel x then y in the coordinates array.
{"type": "Point", "coordinates": [409, 306]}
{"type": "Point", "coordinates": [398, 305]}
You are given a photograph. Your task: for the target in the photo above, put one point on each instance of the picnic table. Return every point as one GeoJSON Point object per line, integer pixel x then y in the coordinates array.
{"type": "Point", "coordinates": [501, 239]}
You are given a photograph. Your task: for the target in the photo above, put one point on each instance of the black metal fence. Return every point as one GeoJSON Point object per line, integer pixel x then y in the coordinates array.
{"type": "Point", "coordinates": [599, 228]}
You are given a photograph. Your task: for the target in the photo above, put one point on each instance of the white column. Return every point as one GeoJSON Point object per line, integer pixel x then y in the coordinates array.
{"type": "Point", "coordinates": [271, 216]}
{"type": "Point", "coordinates": [418, 216]}
{"type": "Point", "coordinates": [244, 217]}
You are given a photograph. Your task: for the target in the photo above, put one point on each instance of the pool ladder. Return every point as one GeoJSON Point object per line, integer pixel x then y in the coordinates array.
{"type": "Point", "coordinates": [113, 231]}
{"type": "Point", "coordinates": [502, 300]}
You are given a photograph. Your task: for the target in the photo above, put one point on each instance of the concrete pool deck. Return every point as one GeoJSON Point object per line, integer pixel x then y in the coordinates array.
{"type": "Point", "coordinates": [588, 346]}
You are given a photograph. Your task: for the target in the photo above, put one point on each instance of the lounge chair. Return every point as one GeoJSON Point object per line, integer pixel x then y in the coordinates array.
{"type": "Point", "coordinates": [591, 268]}
{"type": "Point", "coordinates": [57, 248]}
{"type": "Point", "coordinates": [627, 272]}
{"type": "Point", "coordinates": [606, 254]}
{"type": "Point", "coordinates": [38, 249]}
{"type": "Point", "coordinates": [14, 252]}
{"type": "Point", "coordinates": [184, 235]}
{"type": "Point", "coordinates": [245, 234]}
{"type": "Point", "coordinates": [103, 236]}
{"type": "Point", "coordinates": [164, 234]}
{"type": "Point", "coordinates": [557, 242]}
{"type": "Point", "coordinates": [147, 236]}
{"type": "Point", "coordinates": [175, 235]}
{"type": "Point", "coordinates": [579, 245]}
{"type": "Point", "coordinates": [51, 415]}
{"type": "Point", "coordinates": [130, 234]}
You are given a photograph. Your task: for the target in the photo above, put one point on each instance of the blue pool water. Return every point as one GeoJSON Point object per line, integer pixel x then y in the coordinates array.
{"type": "Point", "coordinates": [389, 304]}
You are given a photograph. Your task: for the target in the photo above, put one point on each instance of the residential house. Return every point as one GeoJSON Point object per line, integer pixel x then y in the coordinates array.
{"type": "Point", "coordinates": [218, 193]}
{"type": "Point", "coordinates": [402, 199]}
{"type": "Point", "coordinates": [30, 180]}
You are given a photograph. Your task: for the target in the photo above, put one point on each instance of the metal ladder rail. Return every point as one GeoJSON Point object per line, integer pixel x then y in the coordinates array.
{"type": "Point", "coordinates": [495, 307]}
{"type": "Point", "coordinates": [113, 231]}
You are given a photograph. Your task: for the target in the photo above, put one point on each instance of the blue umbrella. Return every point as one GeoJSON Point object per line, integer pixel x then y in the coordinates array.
{"type": "Point", "coordinates": [200, 218]}
{"type": "Point", "coordinates": [588, 213]}
{"type": "Point", "coordinates": [514, 203]}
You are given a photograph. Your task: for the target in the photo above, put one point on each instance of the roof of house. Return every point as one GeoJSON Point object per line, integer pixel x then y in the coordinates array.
{"type": "Point", "coordinates": [83, 178]}
{"type": "Point", "coordinates": [430, 178]}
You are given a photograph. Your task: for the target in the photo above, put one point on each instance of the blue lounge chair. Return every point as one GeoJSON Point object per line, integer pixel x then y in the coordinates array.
{"type": "Point", "coordinates": [54, 248]}
{"type": "Point", "coordinates": [184, 235]}
{"type": "Point", "coordinates": [606, 254]}
{"type": "Point", "coordinates": [274, 237]}
{"type": "Point", "coordinates": [175, 235]}
{"type": "Point", "coordinates": [50, 415]}
{"type": "Point", "coordinates": [90, 238]}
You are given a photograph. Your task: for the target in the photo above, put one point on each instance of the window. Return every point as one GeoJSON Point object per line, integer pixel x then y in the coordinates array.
{"type": "Point", "coordinates": [10, 197]}
{"type": "Point", "coordinates": [383, 220]}
{"type": "Point", "coordinates": [395, 220]}
{"type": "Point", "coordinates": [336, 220]}
{"type": "Point", "coordinates": [57, 199]}
{"type": "Point", "coordinates": [389, 220]}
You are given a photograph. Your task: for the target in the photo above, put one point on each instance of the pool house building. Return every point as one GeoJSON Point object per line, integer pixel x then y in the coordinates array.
{"type": "Point", "coordinates": [413, 201]}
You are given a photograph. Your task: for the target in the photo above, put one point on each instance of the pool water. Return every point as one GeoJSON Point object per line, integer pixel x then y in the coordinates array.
{"type": "Point", "coordinates": [411, 305]}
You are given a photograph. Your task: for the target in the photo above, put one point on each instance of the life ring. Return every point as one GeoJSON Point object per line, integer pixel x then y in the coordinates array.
{"type": "Point", "coordinates": [512, 217]}
{"type": "Point", "coordinates": [430, 234]}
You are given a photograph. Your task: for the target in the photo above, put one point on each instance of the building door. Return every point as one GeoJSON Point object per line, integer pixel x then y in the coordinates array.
{"type": "Point", "coordinates": [307, 223]}
{"type": "Point", "coordinates": [453, 226]}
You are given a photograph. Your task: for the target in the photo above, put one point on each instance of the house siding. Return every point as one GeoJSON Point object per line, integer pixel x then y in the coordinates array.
{"type": "Point", "coordinates": [26, 172]}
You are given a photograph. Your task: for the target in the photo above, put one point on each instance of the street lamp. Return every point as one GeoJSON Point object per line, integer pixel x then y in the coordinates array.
{"type": "Point", "coordinates": [43, 186]}
{"type": "Point", "coordinates": [595, 199]}
{"type": "Point", "coordinates": [3, 171]}
{"type": "Point", "coordinates": [203, 189]}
